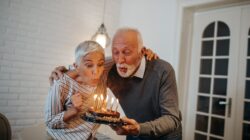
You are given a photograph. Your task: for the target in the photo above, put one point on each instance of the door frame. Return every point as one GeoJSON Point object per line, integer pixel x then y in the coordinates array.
{"type": "Point", "coordinates": [216, 15]}
{"type": "Point", "coordinates": [184, 43]}
{"type": "Point", "coordinates": [242, 63]}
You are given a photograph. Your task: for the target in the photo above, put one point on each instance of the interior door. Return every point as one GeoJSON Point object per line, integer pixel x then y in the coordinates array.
{"type": "Point", "coordinates": [218, 96]}
{"type": "Point", "coordinates": [243, 105]}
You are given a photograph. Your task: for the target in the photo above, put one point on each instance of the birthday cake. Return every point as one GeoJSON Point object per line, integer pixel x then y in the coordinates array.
{"type": "Point", "coordinates": [103, 117]}
{"type": "Point", "coordinates": [102, 114]}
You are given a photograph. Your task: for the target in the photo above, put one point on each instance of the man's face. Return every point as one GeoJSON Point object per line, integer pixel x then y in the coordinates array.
{"type": "Point", "coordinates": [125, 53]}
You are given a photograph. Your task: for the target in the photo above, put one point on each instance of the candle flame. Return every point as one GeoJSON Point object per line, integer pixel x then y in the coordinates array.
{"type": "Point", "coordinates": [95, 96]}
{"type": "Point", "coordinates": [101, 97]}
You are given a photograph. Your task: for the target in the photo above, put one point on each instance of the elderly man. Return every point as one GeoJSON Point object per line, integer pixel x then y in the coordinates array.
{"type": "Point", "coordinates": [146, 90]}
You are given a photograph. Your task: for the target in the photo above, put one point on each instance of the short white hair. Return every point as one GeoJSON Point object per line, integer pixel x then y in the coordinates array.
{"type": "Point", "coordinates": [129, 29]}
{"type": "Point", "coordinates": [85, 48]}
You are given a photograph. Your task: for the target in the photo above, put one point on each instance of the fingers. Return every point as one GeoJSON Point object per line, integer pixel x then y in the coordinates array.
{"type": "Point", "coordinates": [77, 94]}
{"type": "Point", "coordinates": [77, 100]}
{"type": "Point", "coordinates": [118, 129]}
{"type": "Point", "coordinates": [76, 97]}
{"type": "Point", "coordinates": [57, 73]}
{"type": "Point", "coordinates": [156, 56]}
{"type": "Point", "coordinates": [150, 56]}
{"type": "Point", "coordinates": [121, 131]}
{"type": "Point", "coordinates": [61, 68]}
{"type": "Point", "coordinates": [115, 128]}
{"type": "Point", "coordinates": [128, 121]}
{"type": "Point", "coordinates": [51, 80]}
{"type": "Point", "coordinates": [132, 127]}
{"type": "Point", "coordinates": [53, 77]}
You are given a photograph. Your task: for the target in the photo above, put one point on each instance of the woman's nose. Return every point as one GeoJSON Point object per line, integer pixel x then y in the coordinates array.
{"type": "Point", "coordinates": [95, 72]}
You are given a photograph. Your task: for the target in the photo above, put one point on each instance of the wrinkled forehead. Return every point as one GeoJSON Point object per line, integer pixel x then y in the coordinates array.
{"type": "Point", "coordinates": [122, 39]}
{"type": "Point", "coordinates": [94, 56]}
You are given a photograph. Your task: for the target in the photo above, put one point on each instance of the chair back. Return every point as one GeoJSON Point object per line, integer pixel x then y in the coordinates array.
{"type": "Point", "coordinates": [5, 130]}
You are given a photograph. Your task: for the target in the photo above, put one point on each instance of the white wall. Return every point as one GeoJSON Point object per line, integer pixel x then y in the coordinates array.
{"type": "Point", "coordinates": [156, 19]}
{"type": "Point", "coordinates": [36, 36]}
{"type": "Point", "coordinates": [159, 22]}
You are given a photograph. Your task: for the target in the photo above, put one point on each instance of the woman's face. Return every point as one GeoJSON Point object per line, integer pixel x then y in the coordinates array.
{"type": "Point", "coordinates": [91, 68]}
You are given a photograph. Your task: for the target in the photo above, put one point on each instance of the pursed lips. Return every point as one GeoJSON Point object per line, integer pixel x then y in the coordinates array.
{"type": "Point", "coordinates": [123, 69]}
{"type": "Point", "coordinates": [95, 80]}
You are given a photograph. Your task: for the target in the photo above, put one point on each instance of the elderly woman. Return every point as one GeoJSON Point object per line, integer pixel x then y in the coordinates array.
{"type": "Point", "coordinates": [70, 96]}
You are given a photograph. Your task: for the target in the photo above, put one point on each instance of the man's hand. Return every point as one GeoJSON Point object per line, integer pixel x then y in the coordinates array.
{"type": "Point", "coordinates": [57, 73]}
{"type": "Point", "coordinates": [150, 55]}
{"type": "Point", "coordinates": [131, 127]}
{"type": "Point", "coordinates": [77, 101]}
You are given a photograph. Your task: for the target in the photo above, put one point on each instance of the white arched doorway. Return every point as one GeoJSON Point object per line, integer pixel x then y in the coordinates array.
{"type": "Point", "coordinates": [218, 97]}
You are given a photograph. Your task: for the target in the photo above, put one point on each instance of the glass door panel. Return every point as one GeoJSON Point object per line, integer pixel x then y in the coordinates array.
{"type": "Point", "coordinates": [212, 79]}
{"type": "Point", "coordinates": [212, 93]}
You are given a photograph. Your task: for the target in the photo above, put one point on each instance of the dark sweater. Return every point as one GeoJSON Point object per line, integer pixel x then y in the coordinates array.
{"type": "Point", "coordinates": [151, 101]}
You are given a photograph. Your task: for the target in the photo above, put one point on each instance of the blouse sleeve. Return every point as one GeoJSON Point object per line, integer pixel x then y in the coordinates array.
{"type": "Point", "coordinates": [54, 111]}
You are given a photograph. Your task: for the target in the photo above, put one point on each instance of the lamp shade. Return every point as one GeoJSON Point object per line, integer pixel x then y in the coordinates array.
{"type": "Point", "coordinates": [101, 36]}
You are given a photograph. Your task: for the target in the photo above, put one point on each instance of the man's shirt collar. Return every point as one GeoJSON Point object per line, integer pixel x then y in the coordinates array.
{"type": "Point", "coordinates": [141, 70]}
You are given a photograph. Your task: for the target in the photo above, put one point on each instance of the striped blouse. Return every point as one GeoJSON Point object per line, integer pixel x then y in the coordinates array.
{"type": "Point", "coordinates": [58, 100]}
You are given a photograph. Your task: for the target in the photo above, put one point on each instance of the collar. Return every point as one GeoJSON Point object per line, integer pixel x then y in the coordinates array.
{"type": "Point", "coordinates": [140, 72]}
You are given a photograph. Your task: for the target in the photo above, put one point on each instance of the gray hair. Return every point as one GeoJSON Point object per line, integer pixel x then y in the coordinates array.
{"type": "Point", "coordinates": [129, 29]}
{"type": "Point", "coordinates": [85, 48]}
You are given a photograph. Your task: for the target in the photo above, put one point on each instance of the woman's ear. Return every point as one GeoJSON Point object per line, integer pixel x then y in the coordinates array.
{"type": "Point", "coordinates": [75, 65]}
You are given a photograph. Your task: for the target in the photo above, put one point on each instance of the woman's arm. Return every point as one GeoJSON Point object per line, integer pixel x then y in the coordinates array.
{"type": "Point", "coordinates": [55, 115]}
{"type": "Point", "coordinates": [58, 71]}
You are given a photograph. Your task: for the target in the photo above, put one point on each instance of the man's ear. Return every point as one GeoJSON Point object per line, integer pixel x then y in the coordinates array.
{"type": "Point", "coordinates": [143, 50]}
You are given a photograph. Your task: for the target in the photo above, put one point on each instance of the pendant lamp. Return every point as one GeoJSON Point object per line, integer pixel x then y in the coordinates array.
{"type": "Point", "coordinates": [101, 36]}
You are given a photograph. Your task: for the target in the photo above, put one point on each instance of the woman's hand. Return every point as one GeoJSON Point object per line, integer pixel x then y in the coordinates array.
{"type": "Point", "coordinates": [77, 101]}
{"type": "Point", "coordinates": [71, 112]}
{"type": "Point", "coordinates": [150, 55]}
{"type": "Point", "coordinates": [57, 73]}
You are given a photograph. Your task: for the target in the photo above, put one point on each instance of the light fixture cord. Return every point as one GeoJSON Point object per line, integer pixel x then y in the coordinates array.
{"type": "Point", "coordinates": [104, 10]}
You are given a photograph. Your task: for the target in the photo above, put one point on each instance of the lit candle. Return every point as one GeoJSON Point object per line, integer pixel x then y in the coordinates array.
{"type": "Point", "coordinates": [98, 103]}
{"type": "Point", "coordinates": [101, 102]}
{"type": "Point", "coordinates": [117, 104]}
{"type": "Point", "coordinates": [95, 96]}
{"type": "Point", "coordinates": [106, 102]}
{"type": "Point", "coordinates": [112, 102]}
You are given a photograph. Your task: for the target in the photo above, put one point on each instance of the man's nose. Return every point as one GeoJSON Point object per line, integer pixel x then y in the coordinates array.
{"type": "Point", "coordinates": [121, 59]}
